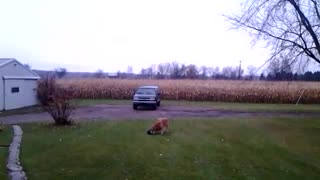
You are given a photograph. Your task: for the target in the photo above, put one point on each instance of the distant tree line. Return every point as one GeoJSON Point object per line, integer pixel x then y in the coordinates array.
{"type": "Point", "coordinates": [175, 70]}
{"type": "Point", "coordinates": [276, 71]}
{"type": "Point", "coordinates": [281, 71]}
{"type": "Point", "coordinates": [285, 76]}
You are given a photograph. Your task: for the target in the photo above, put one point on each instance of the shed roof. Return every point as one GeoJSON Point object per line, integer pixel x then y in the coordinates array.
{"type": "Point", "coordinates": [4, 61]}
{"type": "Point", "coordinates": [21, 77]}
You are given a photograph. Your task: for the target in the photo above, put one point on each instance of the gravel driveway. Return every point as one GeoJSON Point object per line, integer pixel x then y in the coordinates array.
{"type": "Point", "coordinates": [112, 112]}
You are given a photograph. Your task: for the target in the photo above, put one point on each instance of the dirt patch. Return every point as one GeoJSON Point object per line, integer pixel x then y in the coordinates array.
{"type": "Point", "coordinates": [111, 112]}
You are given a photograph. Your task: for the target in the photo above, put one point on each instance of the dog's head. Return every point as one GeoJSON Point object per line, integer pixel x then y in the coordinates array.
{"type": "Point", "coordinates": [151, 132]}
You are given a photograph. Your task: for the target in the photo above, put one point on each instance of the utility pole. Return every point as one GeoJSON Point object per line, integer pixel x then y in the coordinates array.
{"type": "Point", "coordinates": [240, 70]}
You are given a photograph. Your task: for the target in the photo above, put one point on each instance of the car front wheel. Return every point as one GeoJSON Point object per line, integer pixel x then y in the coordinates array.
{"type": "Point", "coordinates": [135, 107]}
{"type": "Point", "coordinates": [154, 107]}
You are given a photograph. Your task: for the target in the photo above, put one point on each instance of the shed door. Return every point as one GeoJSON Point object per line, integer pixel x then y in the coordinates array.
{"type": "Point", "coordinates": [20, 93]}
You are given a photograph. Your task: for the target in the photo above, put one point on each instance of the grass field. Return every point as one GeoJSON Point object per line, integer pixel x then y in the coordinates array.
{"type": "Point", "coordinates": [5, 139]}
{"type": "Point", "coordinates": [194, 149]}
{"type": "Point", "coordinates": [199, 90]}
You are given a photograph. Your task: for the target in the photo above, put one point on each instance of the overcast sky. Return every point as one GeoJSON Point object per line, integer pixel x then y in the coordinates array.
{"type": "Point", "coordinates": [111, 35]}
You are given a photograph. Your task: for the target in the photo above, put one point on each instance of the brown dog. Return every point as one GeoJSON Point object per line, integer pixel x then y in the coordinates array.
{"type": "Point", "coordinates": [160, 126]}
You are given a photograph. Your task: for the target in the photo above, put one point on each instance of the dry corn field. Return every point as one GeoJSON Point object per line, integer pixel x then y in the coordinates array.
{"type": "Point", "coordinates": [199, 90]}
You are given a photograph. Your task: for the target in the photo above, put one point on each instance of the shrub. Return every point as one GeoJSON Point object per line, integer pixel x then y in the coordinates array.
{"type": "Point", "coordinates": [55, 100]}
{"type": "Point", "coordinates": [46, 88]}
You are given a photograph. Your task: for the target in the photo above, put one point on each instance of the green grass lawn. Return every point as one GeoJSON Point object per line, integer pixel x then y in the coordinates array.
{"type": "Point", "coordinates": [5, 139]}
{"type": "Point", "coordinates": [261, 148]}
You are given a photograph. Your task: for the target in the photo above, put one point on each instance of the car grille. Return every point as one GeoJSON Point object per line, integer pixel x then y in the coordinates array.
{"type": "Point", "coordinates": [144, 98]}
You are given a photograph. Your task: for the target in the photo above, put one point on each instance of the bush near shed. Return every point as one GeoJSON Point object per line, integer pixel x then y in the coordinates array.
{"type": "Point", "coordinates": [55, 100]}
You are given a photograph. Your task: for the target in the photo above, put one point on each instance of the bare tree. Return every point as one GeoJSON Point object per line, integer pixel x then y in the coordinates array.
{"type": "Point", "coordinates": [129, 70]}
{"type": "Point", "coordinates": [60, 72]}
{"type": "Point", "coordinates": [215, 72]}
{"type": "Point", "coordinates": [175, 70]}
{"type": "Point", "coordinates": [204, 72]}
{"type": "Point", "coordinates": [212, 72]}
{"type": "Point", "coordinates": [274, 67]}
{"type": "Point", "coordinates": [27, 66]}
{"type": "Point", "coordinates": [238, 71]}
{"type": "Point", "coordinates": [183, 71]}
{"type": "Point", "coordinates": [227, 71]}
{"type": "Point", "coordinates": [286, 66]}
{"type": "Point", "coordinates": [230, 72]}
{"type": "Point", "coordinates": [167, 69]}
{"type": "Point", "coordinates": [150, 71]}
{"type": "Point", "coordinates": [192, 71]}
{"type": "Point", "coordinates": [291, 27]}
{"type": "Point", "coordinates": [251, 71]}
{"type": "Point", "coordinates": [235, 73]}
{"type": "Point", "coordinates": [99, 73]}
{"type": "Point", "coordinates": [161, 69]}
{"type": "Point", "coordinates": [144, 73]}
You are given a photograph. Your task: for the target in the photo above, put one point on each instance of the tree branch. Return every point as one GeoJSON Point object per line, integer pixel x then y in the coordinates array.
{"type": "Point", "coordinates": [316, 8]}
{"type": "Point", "coordinates": [290, 27]}
{"type": "Point", "coordinates": [308, 26]}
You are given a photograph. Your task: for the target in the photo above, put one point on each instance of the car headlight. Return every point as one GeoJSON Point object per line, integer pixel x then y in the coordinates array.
{"type": "Point", "coordinates": [135, 98]}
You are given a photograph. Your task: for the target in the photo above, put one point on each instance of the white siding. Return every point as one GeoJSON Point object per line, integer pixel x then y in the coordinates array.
{"type": "Point", "coordinates": [25, 97]}
{"type": "Point", "coordinates": [30, 92]}
{"type": "Point", "coordinates": [11, 69]}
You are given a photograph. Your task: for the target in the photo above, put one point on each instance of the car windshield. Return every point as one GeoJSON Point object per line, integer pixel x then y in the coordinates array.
{"type": "Point", "coordinates": [148, 91]}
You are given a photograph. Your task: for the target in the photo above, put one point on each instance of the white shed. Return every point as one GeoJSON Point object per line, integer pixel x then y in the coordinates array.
{"type": "Point", "coordinates": [18, 85]}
